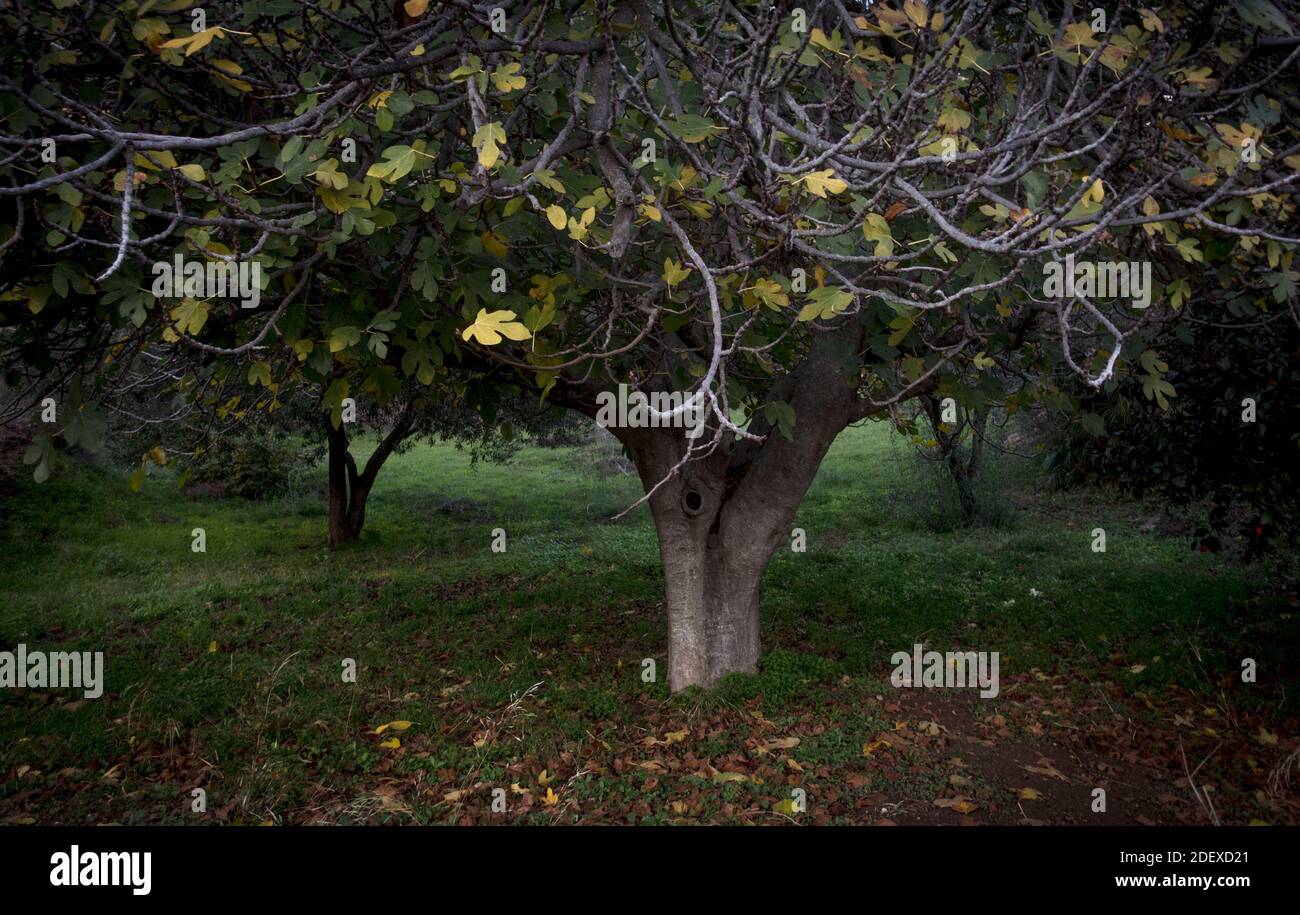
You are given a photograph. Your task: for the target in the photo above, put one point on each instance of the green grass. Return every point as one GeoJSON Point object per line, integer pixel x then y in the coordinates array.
{"type": "Point", "coordinates": [448, 634]}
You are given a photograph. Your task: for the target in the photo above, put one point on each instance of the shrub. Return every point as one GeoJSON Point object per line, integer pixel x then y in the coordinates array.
{"type": "Point", "coordinates": [255, 466]}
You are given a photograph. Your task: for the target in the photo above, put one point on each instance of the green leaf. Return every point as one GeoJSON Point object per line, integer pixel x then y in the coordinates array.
{"type": "Point", "coordinates": [1283, 283]}
{"type": "Point", "coordinates": [876, 228]}
{"type": "Point", "coordinates": [343, 337]}
{"type": "Point", "coordinates": [333, 400]}
{"type": "Point", "coordinates": [1093, 424]}
{"type": "Point", "coordinates": [290, 150]}
{"type": "Point", "coordinates": [825, 302]}
{"type": "Point", "coordinates": [902, 326]}
{"type": "Point", "coordinates": [190, 316]}
{"type": "Point", "coordinates": [1264, 14]}
{"type": "Point", "coordinates": [260, 372]}
{"type": "Point", "coordinates": [780, 414]}
{"type": "Point", "coordinates": [68, 194]}
{"type": "Point", "coordinates": [694, 128]}
{"type": "Point", "coordinates": [396, 162]}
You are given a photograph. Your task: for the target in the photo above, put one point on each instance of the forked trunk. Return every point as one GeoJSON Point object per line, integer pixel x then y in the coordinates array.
{"type": "Point", "coordinates": [340, 502]}
{"type": "Point", "coordinates": [721, 518]}
{"type": "Point", "coordinates": [349, 489]}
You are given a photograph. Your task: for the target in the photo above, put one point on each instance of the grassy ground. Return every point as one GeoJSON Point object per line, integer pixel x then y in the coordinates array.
{"type": "Point", "coordinates": [522, 670]}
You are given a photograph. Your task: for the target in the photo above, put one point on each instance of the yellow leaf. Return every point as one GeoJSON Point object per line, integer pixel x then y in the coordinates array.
{"type": "Point", "coordinates": [391, 743]}
{"type": "Point", "coordinates": [153, 158]}
{"type": "Point", "coordinates": [917, 12]}
{"type": "Point", "coordinates": [674, 272]}
{"type": "Point", "coordinates": [724, 777]}
{"type": "Point", "coordinates": [489, 328]}
{"type": "Point", "coordinates": [876, 228]}
{"type": "Point", "coordinates": [823, 182]}
{"type": "Point", "coordinates": [556, 216]}
{"type": "Point", "coordinates": [1030, 794]}
{"type": "Point", "coordinates": [1078, 35]}
{"type": "Point", "coordinates": [212, 647]}
{"type": "Point", "coordinates": [193, 171]}
{"type": "Point", "coordinates": [230, 70]}
{"type": "Point", "coordinates": [783, 743]}
{"type": "Point", "coordinates": [494, 244]}
{"type": "Point", "coordinates": [786, 806]}
{"type": "Point", "coordinates": [190, 316]}
{"type": "Point", "coordinates": [1238, 138]}
{"type": "Point", "coordinates": [196, 42]}
{"type": "Point", "coordinates": [769, 292]}
{"type": "Point", "coordinates": [486, 140]}
{"type": "Point", "coordinates": [544, 778]}
{"type": "Point", "coordinates": [954, 119]}
{"type": "Point", "coordinates": [959, 804]}
{"type": "Point", "coordinates": [507, 78]}
{"type": "Point", "coordinates": [1150, 21]}
{"type": "Point", "coordinates": [395, 725]}
{"type": "Point", "coordinates": [415, 8]}
{"type": "Point", "coordinates": [550, 798]}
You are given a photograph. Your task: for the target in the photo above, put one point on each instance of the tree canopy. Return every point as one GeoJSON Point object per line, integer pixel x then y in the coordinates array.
{"type": "Point", "coordinates": [802, 216]}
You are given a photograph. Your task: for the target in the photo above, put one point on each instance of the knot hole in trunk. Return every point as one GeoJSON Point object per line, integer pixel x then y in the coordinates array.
{"type": "Point", "coordinates": [692, 502]}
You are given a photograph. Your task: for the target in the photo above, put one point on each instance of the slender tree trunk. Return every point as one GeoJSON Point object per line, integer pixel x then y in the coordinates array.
{"type": "Point", "coordinates": [965, 490]}
{"type": "Point", "coordinates": [349, 489]}
{"type": "Point", "coordinates": [338, 485]}
{"type": "Point", "coordinates": [962, 464]}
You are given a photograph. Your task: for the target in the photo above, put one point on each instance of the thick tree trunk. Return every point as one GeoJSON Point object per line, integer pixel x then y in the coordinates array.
{"type": "Point", "coordinates": [712, 585]}
{"type": "Point", "coordinates": [721, 517]}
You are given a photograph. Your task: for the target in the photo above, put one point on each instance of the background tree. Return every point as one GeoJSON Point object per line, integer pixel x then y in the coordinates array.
{"type": "Point", "coordinates": [1224, 451]}
{"type": "Point", "coordinates": [958, 443]}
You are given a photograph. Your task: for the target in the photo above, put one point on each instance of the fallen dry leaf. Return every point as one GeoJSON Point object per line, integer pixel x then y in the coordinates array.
{"type": "Point", "coordinates": [959, 804]}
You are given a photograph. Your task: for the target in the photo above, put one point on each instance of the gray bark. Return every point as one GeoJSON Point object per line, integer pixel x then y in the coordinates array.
{"type": "Point", "coordinates": [721, 518]}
